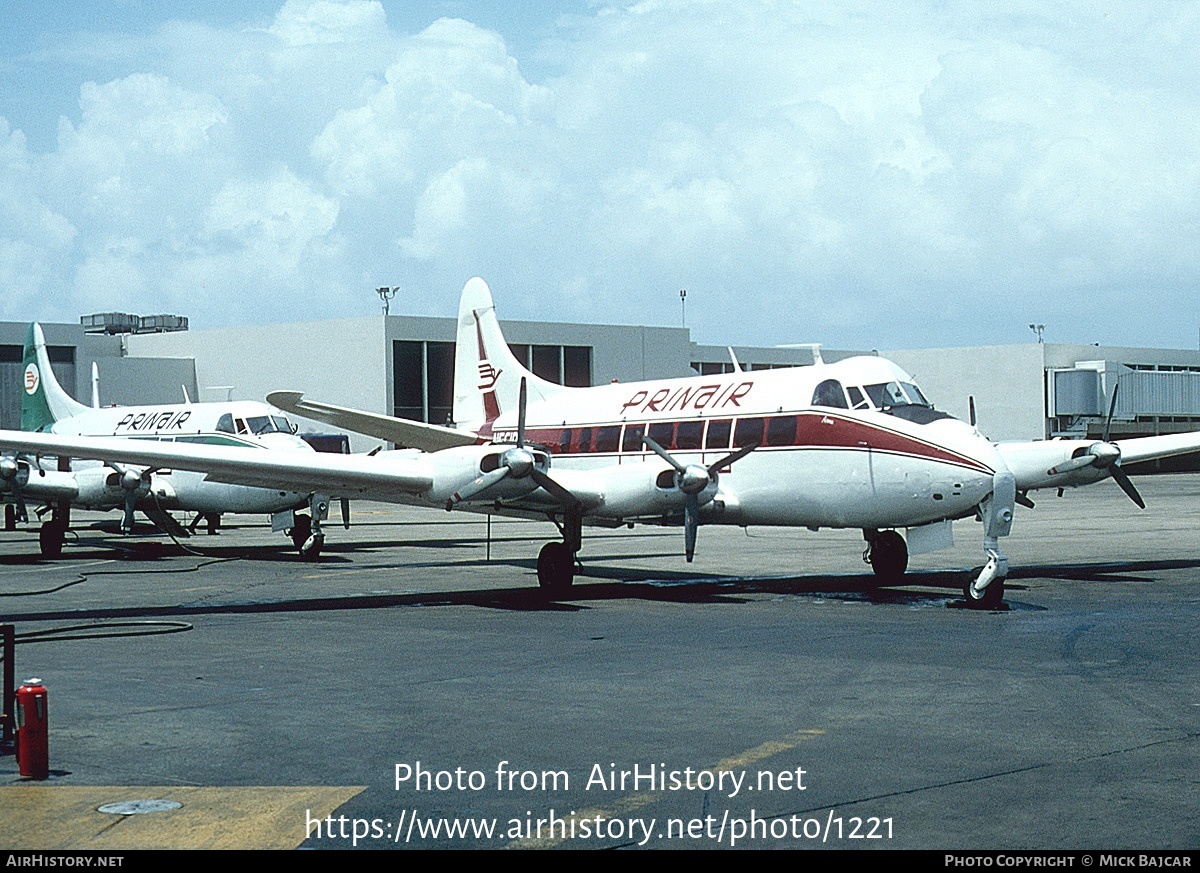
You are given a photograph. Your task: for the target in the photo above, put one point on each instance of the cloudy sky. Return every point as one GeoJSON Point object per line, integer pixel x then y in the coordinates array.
{"type": "Point", "coordinates": [862, 174]}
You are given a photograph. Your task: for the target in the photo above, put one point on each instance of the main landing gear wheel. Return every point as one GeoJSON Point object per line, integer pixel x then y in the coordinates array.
{"type": "Point", "coordinates": [990, 598]}
{"type": "Point", "coordinates": [555, 567]}
{"type": "Point", "coordinates": [301, 531]}
{"type": "Point", "coordinates": [311, 549]}
{"type": "Point", "coordinates": [50, 538]}
{"type": "Point", "coordinates": [10, 517]}
{"type": "Point", "coordinates": [306, 542]}
{"type": "Point", "coordinates": [889, 557]}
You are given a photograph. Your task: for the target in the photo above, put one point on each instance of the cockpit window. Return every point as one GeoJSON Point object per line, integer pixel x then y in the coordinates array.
{"type": "Point", "coordinates": [885, 395]}
{"type": "Point", "coordinates": [225, 423]}
{"type": "Point", "coordinates": [830, 393]}
{"type": "Point", "coordinates": [260, 424]}
{"type": "Point", "coordinates": [903, 400]}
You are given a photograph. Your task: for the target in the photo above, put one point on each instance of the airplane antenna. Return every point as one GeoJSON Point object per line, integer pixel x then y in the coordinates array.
{"type": "Point", "coordinates": [737, 368]}
{"type": "Point", "coordinates": [386, 294]}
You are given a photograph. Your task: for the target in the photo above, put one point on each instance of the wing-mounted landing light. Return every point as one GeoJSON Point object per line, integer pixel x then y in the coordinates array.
{"type": "Point", "coordinates": [14, 476]}
{"type": "Point", "coordinates": [692, 480]}
{"type": "Point", "coordinates": [517, 462]}
{"type": "Point", "coordinates": [1104, 455]}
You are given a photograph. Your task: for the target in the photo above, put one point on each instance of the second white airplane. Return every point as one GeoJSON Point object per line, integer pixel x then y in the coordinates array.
{"type": "Point", "coordinates": [852, 444]}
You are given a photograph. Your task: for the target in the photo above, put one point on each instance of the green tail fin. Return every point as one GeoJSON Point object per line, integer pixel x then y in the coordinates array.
{"type": "Point", "coordinates": [35, 409]}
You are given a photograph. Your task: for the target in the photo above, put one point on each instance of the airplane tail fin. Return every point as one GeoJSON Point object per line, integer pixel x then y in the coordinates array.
{"type": "Point", "coordinates": [487, 377]}
{"type": "Point", "coordinates": [44, 401]}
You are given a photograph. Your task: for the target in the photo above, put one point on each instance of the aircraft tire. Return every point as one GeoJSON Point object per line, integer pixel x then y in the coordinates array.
{"type": "Point", "coordinates": [10, 517]}
{"type": "Point", "coordinates": [50, 539]}
{"type": "Point", "coordinates": [300, 532]}
{"type": "Point", "coordinates": [555, 567]}
{"type": "Point", "coordinates": [992, 597]}
{"type": "Point", "coordinates": [889, 557]}
{"type": "Point", "coordinates": [313, 550]}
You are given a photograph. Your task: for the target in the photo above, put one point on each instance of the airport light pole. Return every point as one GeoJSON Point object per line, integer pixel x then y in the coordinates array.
{"type": "Point", "coordinates": [1037, 329]}
{"type": "Point", "coordinates": [683, 307]}
{"type": "Point", "coordinates": [386, 294]}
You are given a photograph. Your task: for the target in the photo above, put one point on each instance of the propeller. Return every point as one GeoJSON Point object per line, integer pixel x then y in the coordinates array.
{"type": "Point", "coordinates": [517, 462]}
{"type": "Point", "coordinates": [15, 476]}
{"type": "Point", "coordinates": [135, 485]}
{"type": "Point", "coordinates": [692, 479]}
{"type": "Point", "coordinates": [1104, 455]}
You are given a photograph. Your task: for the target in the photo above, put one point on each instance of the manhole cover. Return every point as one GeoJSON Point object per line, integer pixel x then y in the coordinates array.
{"type": "Point", "coordinates": [138, 807]}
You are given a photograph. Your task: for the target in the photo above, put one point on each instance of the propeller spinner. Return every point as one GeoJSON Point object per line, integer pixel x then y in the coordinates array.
{"type": "Point", "coordinates": [1104, 455]}
{"type": "Point", "coordinates": [517, 462]}
{"type": "Point", "coordinates": [692, 479]}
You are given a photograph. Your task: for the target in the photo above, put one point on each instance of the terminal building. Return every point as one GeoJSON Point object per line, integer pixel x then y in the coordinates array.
{"type": "Point", "coordinates": [401, 365]}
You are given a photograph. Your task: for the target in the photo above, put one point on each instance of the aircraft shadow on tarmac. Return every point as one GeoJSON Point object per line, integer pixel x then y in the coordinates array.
{"type": "Point", "coordinates": [603, 578]}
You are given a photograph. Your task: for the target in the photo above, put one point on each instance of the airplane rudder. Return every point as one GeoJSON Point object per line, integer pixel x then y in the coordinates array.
{"type": "Point", "coordinates": [35, 407]}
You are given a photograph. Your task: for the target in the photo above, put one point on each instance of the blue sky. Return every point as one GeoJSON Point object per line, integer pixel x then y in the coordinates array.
{"type": "Point", "coordinates": [859, 174]}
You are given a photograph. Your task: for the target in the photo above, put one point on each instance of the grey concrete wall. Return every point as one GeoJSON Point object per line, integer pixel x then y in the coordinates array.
{"type": "Point", "coordinates": [1006, 381]}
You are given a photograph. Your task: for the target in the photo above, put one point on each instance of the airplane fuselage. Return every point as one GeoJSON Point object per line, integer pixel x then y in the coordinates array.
{"type": "Point", "coordinates": [819, 461]}
{"type": "Point", "coordinates": [247, 424]}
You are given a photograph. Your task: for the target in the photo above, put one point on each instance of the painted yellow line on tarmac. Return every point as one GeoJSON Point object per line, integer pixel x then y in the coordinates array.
{"type": "Point", "coordinates": [637, 800]}
{"type": "Point", "coordinates": [44, 817]}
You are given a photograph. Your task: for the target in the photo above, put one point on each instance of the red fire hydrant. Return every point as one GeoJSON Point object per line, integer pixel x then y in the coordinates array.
{"type": "Point", "coordinates": [33, 743]}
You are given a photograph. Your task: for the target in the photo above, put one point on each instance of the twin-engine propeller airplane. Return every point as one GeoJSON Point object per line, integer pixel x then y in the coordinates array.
{"type": "Point", "coordinates": [155, 488]}
{"type": "Point", "coordinates": [852, 444]}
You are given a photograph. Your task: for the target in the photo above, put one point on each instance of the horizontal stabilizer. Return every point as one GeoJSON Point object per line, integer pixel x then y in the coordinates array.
{"type": "Point", "coordinates": [401, 431]}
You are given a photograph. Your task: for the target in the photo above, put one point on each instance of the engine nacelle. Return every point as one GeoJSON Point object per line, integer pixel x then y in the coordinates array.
{"type": "Point", "coordinates": [638, 490]}
{"type": "Point", "coordinates": [456, 469]}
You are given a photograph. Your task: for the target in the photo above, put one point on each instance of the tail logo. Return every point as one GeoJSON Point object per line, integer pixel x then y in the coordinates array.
{"type": "Point", "coordinates": [488, 376]}
{"type": "Point", "coordinates": [32, 379]}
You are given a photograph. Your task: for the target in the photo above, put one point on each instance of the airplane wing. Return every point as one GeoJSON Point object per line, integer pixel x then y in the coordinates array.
{"type": "Point", "coordinates": [343, 475]}
{"type": "Point", "coordinates": [401, 431]}
{"type": "Point", "coordinates": [1059, 463]}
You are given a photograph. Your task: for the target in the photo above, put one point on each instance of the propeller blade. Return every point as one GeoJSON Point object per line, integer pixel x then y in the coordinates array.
{"type": "Point", "coordinates": [521, 402]}
{"type": "Point", "coordinates": [691, 521]}
{"type": "Point", "coordinates": [1127, 486]}
{"type": "Point", "coordinates": [487, 480]}
{"type": "Point", "coordinates": [565, 497]}
{"type": "Point", "coordinates": [663, 453]}
{"type": "Point", "coordinates": [130, 503]}
{"type": "Point", "coordinates": [971, 409]}
{"type": "Point", "coordinates": [731, 458]}
{"type": "Point", "coordinates": [1112, 407]}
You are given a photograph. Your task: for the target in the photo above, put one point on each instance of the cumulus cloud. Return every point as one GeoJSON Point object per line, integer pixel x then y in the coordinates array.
{"type": "Point", "coordinates": [862, 175]}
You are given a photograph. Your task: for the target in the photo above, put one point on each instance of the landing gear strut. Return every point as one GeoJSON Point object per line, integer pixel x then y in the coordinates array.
{"type": "Point", "coordinates": [887, 553]}
{"type": "Point", "coordinates": [556, 561]}
{"type": "Point", "coordinates": [306, 532]}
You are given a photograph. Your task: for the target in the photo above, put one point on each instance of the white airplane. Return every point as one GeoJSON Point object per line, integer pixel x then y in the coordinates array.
{"type": "Point", "coordinates": [154, 489]}
{"type": "Point", "coordinates": [853, 444]}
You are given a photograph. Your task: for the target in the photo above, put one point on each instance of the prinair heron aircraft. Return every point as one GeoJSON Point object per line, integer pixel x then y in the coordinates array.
{"type": "Point", "coordinates": [851, 444]}
{"type": "Point", "coordinates": [46, 407]}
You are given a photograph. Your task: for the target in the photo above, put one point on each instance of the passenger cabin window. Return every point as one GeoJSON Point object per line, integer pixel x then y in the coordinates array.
{"type": "Point", "coordinates": [718, 434]}
{"type": "Point", "coordinates": [632, 441]}
{"type": "Point", "coordinates": [749, 431]}
{"type": "Point", "coordinates": [688, 434]}
{"type": "Point", "coordinates": [608, 438]}
{"type": "Point", "coordinates": [830, 393]}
